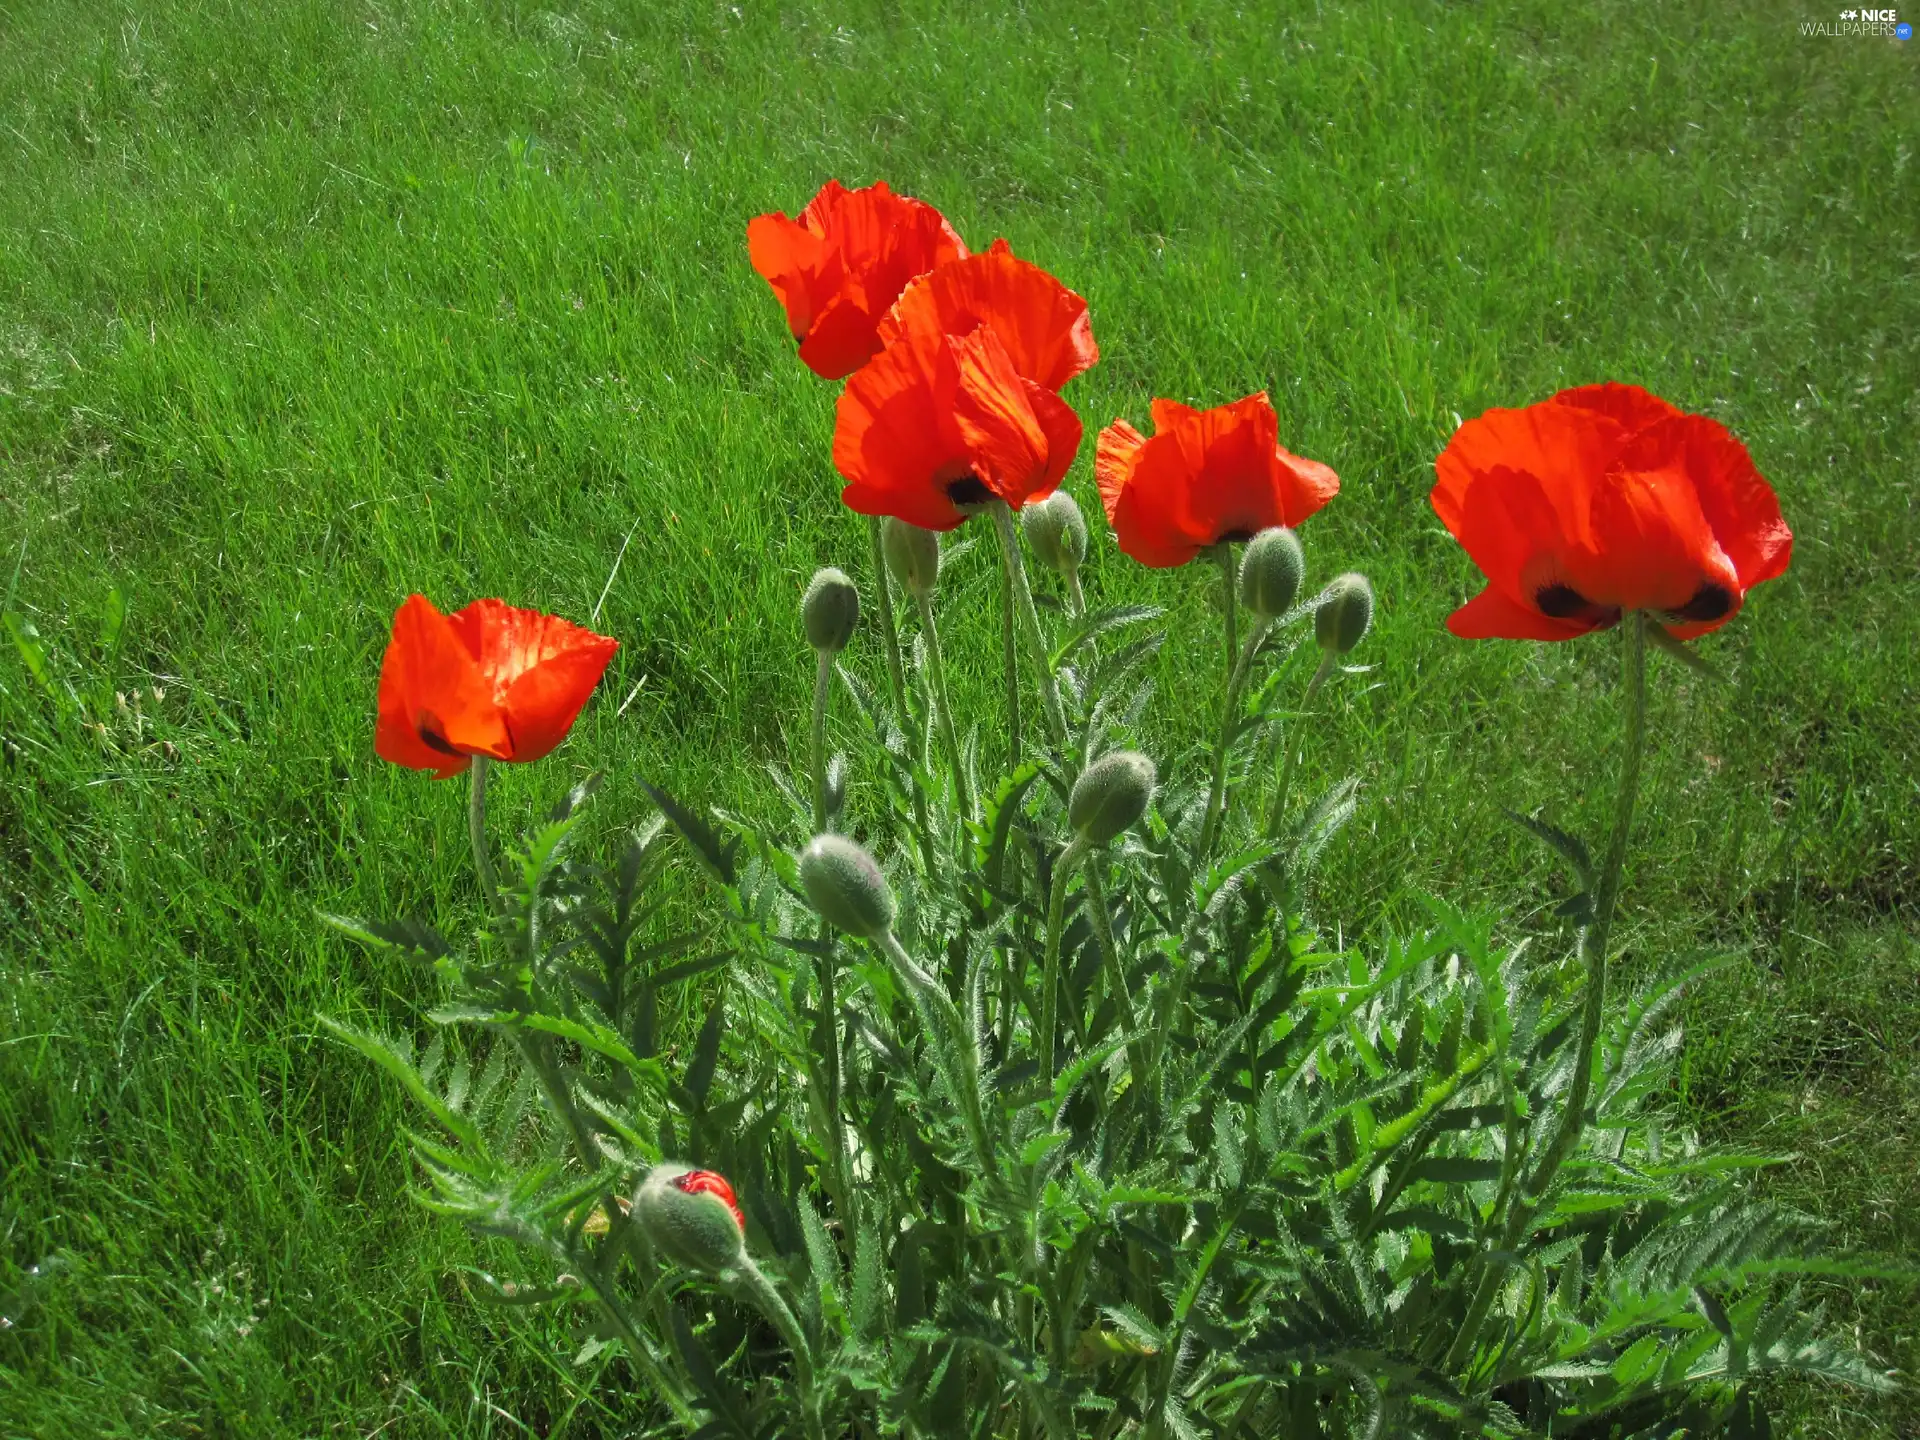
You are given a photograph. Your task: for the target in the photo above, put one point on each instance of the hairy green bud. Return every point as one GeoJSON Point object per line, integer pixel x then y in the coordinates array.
{"type": "Point", "coordinates": [913, 555]}
{"type": "Point", "coordinates": [1057, 531]}
{"type": "Point", "coordinates": [1271, 572]}
{"type": "Point", "coordinates": [692, 1216]}
{"type": "Point", "coordinates": [829, 610]}
{"type": "Point", "coordinates": [1345, 614]}
{"type": "Point", "coordinates": [845, 887]}
{"type": "Point", "coordinates": [1110, 796]}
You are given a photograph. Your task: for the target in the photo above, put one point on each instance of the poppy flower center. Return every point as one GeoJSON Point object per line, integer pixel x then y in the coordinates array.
{"type": "Point", "coordinates": [1709, 602]}
{"type": "Point", "coordinates": [969, 490]}
{"type": "Point", "coordinates": [1236, 537]}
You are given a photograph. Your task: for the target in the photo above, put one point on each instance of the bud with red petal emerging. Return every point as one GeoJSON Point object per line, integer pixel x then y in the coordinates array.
{"type": "Point", "coordinates": [692, 1216]}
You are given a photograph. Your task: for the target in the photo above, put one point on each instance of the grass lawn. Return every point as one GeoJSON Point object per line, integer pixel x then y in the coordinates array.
{"type": "Point", "coordinates": [306, 306]}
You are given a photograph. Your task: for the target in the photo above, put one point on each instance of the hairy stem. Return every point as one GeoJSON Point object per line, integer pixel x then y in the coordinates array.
{"type": "Point", "coordinates": [958, 1047]}
{"type": "Point", "coordinates": [1230, 576]}
{"type": "Point", "coordinates": [1063, 869]}
{"type": "Point", "coordinates": [1230, 712]}
{"type": "Point", "coordinates": [896, 675]}
{"type": "Point", "coordinates": [943, 708]}
{"type": "Point", "coordinates": [822, 678]}
{"type": "Point", "coordinates": [477, 834]}
{"type": "Point", "coordinates": [1597, 935]}
{"type": "Point", "coordinates": [1102, 916]}
{"type": "Point", "coordinates": [1030, 621]}
{"type": "Point", "coordinates": [1593, 944]}
{"type": "Point", "coordinates": [1010, 661]}
{"type": "Point", "coordinates": [751, 1284]}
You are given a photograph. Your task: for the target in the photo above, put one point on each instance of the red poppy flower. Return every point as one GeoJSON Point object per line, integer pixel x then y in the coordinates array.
{"type": "Point", "coordinates": [1205, 476]}
{"type": "Point", "coordinates": [1600, 500]}
{"type": "Point", "coordinates": [938, 421]}
{"type": "Point", "coordinates": [1043, 324]}
{"type": "Point", "coordinates": [840, 266]}
{"type": "Point", "coordinates": [488, 680]}
{"type": "Point", "coordinates": [705, 1182]}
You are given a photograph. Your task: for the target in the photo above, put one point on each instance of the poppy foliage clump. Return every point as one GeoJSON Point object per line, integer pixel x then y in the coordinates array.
{"type": "Point", "coordinates": [1029, 1100]}
{"type": "Point", "coordinates": [490, 680]}
{"type": "Point", "coordinates": [1601, 500]}
{"type": "Point", "coordinates": [1204, 477]}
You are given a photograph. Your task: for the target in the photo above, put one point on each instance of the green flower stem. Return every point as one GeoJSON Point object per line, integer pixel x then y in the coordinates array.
{"type": "Point", "coordinates": [1230, 576]}
{"type": "Point", "coordinates": [822, 678]}
{"type": "Point", "coordinates": [1063, 869]}
{"type": "Point", "coordinates": [958, 1046]}
{"type": "Point", "coordinates": [749, 1283]}
{"type": "Point", "coordinates": [1236, 687]}
{"type": "Point", "coordinates": [1102, 916]}
{"type": "Point", "coordinates": [897, 681]}
{"type": "Point", "coordinates": [1596, 936]}
{"type": "Point", "coordinates": [1030, 618]}
{"type": "Point", "coordinates": [641, 1351]}
{"type": "Point", "coordinates": [1010, 660]}
{"type": "Point", "coordinates": [1076, 597]}
{"type": "Point", "coordinates": [1593, 944]}
{"type": "Point", "coordinates": [477, 834]}
{"type": "Point", "coordinates": [896, 675]}
{"type": "Point", "coordinates": [943, 708]}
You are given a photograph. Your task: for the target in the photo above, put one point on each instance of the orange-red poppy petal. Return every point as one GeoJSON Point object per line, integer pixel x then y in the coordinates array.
{"type": "Point", "coordinates": [1145, 502]}
{"type": "Point", "coordinates": [842, 262]}
{"type": "Point", "coordinates": [1063, 430]}
{"type": "Point", "coordinates": [995, 419]}
{"type": "Point", "coordinates": [791, 259]}
{"type": "Point", "coordinates": [1738, 505]}
{"type": "Point", "coordinates": [1045, 327]}
{"type": "Point", "coordinates": [542, 669]}
{"type": "Point", "coordinates": [436, 707]}
{"type": "Point", "coordinates": [1205, 476]}
{"type": "Point", "coordinates": [1603, 499]}
{"type": "Point", "coordinates": [1630, 407]}
{"type": "Point", "coordinates": [1492, 615]}
{"type": "Point", "coordinates": [937, 421]}
{"type": "Point", "coordinates": [843, 336]}
{"type": "Point", "coordinates": [895, 443]}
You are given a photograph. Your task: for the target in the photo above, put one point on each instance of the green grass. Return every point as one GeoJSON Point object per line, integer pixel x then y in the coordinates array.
{"type": "Point", "coordinates": [301, 313]}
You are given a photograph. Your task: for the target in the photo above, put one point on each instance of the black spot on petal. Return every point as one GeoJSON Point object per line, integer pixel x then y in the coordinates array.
{"type": "Point", "coordinates": [1709, 602]}
{"type": "Point", "coordinates": [431, 734]}
{"type": "Point", "coordinates": [1560, 602]}
{"type": "Point", "coordinates": [969, 490]}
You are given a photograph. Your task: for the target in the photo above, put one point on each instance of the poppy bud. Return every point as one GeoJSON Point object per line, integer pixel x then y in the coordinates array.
{"type": "Point", "coordinates": [1110, 795]}
{"type": "Point", "coordinates": [845, 887]}
{"type": "Point", "coordinates": [829, 610]}
{"type": "Point", "coordinates": [913, 555]}
{"type": "Point", "coordinates": [1345, 614]}
{"type": "Point", "coordinates": [1271, 572]}
{"type": "Point", "coordinates": [692, 1216]}
{"type": "Point", "coordinates": [1057, 531]}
